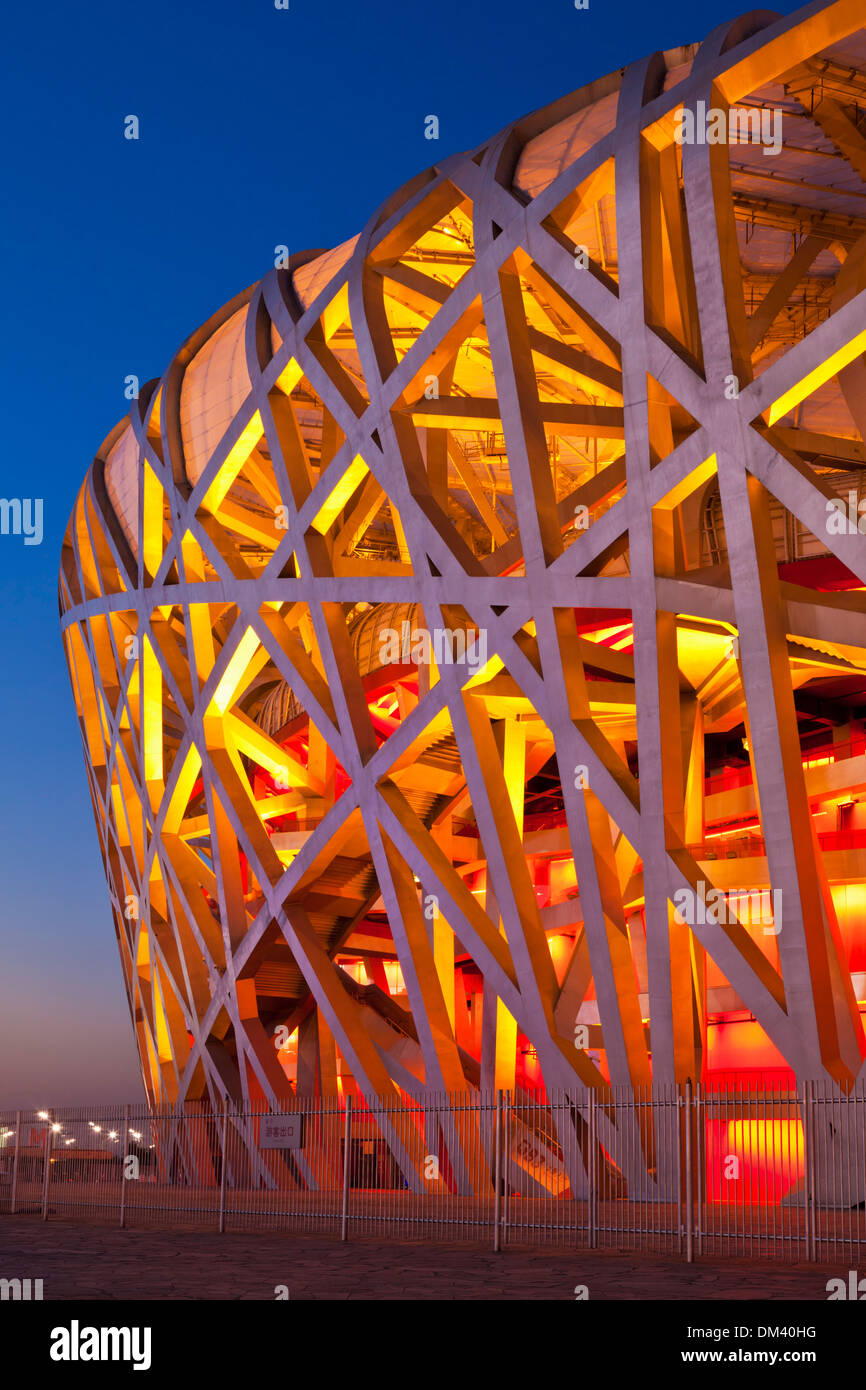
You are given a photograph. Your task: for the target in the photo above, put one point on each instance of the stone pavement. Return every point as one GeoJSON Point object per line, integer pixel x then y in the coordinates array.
{"type": "Point", "coordinates": [80, 1261]}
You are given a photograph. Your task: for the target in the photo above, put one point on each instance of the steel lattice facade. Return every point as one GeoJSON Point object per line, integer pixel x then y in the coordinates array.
{"type": "Point", "coordinates": [576, 405]}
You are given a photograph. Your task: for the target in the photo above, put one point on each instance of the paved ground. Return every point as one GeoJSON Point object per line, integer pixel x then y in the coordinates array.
{"type": "Point", "coordinates": [79, 1261]}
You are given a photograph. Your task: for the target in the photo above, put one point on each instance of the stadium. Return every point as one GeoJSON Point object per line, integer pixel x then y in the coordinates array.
{"type": "Point", "coordinates": [468, 630]}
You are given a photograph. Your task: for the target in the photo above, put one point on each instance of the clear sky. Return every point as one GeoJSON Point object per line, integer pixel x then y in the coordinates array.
{"type": "Point", "coordinates": [258, 127]}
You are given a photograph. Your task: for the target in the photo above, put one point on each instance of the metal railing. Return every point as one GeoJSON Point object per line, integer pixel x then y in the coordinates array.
{"type": "Point", "coordinates": [753, 846]}
{"type": "Point", "coordinates": [732, 778]}
{"type": "Point", "coordinates": [770, 1171]}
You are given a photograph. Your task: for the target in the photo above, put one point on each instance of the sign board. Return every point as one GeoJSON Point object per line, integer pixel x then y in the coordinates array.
{"type": "Point", "coordinates": [282, 1132]}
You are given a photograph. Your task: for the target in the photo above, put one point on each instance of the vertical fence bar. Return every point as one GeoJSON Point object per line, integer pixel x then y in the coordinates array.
{"type": "Point", "coordinates": [807, 1173]}
{"type": "Point", "coordinates": [831, 1126]}
{"type": "Point", "coordinates": [15, 1162]}
{"type": "Point", "coordinates": [704, 1111]}
{"type": "Point", "coordinates": [224, 1140]}
{"type": "Point", "coordinates": [497, 1170]}
{"type": "Point", "coordinates": [47, 1171]}
{"type": "Point", "coordinates": [675, 1143]}
{"type": "Point", "coordinates": [681, 1191]}
{"type": "Point", "coordinates": [123, 1169]}
{"type": "Point", "coordinates": [591, 1174]}
{"type": "Point", "coordinates": [690, 1254]}
{"type": "Point", "coordinates": [699, 1168]}
{"type": "Point", "coordinates": [819, 1161]}
{"type": "Point", "coordinates": [123, 1153]}
{"type": "Point", "coordinates": [822, 1168]}
{"type": "Point", "coordinates": [347, 1143]}
{"type": "Point", "coordinates": [506, 1149]}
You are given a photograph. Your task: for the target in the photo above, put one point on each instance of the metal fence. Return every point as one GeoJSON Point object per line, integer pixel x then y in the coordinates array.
{"type": "Point", "coordinates": [769, 1172]}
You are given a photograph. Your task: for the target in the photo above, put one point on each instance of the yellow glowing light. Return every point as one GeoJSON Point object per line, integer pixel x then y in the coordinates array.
{"type": "Point", "coordinates": [142, 958]}
{"type": "Point", "coordinates": [237, 457]}
{"type": "Point", "coordinates": [182, 792]}
{"type": "Point", "coordinates": [491, 668]}
{"type": "Point", "coordinates": [153, 520]}
{"type": "Point", "coordinates": [340, 494]}
{"type": "Point", "coordinates": [833, 364]}
{"type": "Point", "coordinates": [335, 502]}
{"type": "Point", "coordinates": [151, 715]}
{"type": "Point", "coordinates": [336, 312]}
{"type": "Point", "coordinates": [289, 377]}
{"type": "Point", "coordinates": [243, 655]}
{"type": "Point", "coordinates": [255, 744]}
{"type": "Point", "coordinates": [689, 484]}
{"type": "Point", "coordinates": [604, 633]}
{"type": "Point", "coordinates": [163, 1038]}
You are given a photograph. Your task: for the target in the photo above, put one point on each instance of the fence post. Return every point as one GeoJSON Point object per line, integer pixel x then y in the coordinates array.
{"type": "Point", "coordinates": [806, 1214]}
{"type": "Point", "coordinates": [814, 1112]}
{"type": "Point", "coordinates": [591, 1174]}
{"type": "Point", "coordinates": [700, 1168]}
{"type": "Point", "coordinates": [123, 1168]}
{"type": "Point", "coordinates": [15, 1162]}
{"type": "Point", "coordinates": [508, 1101]}
{"type": "Point", "coordinates": [687, 1111]}
{"type": "Point", "coordinates": [347, 1144]}
{"type": "Point", "coordinates": [47, 1173]}
{"type": "Point", "coordinates": [809, 1172]}
{"type": "Point", "coordinates": [223, 1165]}
{"type": "Point", "coordinates": [497, 1172]}
{"type": "Point", "coordinates": [674, 1095]}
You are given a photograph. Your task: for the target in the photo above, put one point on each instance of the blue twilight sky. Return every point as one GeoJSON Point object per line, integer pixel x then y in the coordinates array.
{"type": "Point", "coordinates": [258, 127]}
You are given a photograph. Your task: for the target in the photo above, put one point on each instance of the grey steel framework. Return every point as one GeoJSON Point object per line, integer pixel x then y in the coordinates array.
{"type": "Point", "coordinates": [504, 408]}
